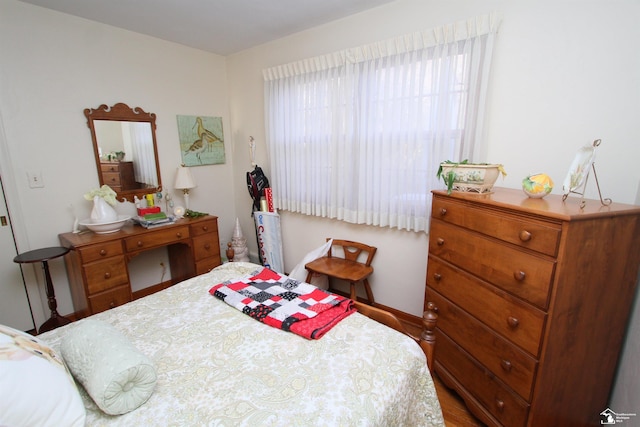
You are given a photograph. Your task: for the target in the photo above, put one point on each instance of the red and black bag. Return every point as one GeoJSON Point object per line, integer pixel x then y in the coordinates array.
{"type": "Point", "coordinates": [256, 183]}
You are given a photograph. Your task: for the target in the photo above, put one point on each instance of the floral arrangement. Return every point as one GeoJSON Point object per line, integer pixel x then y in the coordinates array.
{"type": "Point", "coordinates": [105, 192]}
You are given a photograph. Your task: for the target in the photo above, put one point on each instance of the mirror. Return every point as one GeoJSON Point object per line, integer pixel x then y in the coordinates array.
{"type": "Point", "coordinates": [124, 143]}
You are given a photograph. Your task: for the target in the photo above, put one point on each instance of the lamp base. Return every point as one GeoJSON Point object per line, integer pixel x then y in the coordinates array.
{"type": "Point", "coordinates": [186, 198]}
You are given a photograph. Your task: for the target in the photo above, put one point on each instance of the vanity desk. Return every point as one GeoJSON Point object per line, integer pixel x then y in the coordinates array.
{"type": "Point", "coordinates": [97, 263]}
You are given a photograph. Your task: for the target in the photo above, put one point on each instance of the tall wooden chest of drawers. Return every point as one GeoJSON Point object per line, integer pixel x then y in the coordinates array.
{"type": "Point", "coordinates": [97, 263]}
{"type": "Point", "coordinates": [533, 298]}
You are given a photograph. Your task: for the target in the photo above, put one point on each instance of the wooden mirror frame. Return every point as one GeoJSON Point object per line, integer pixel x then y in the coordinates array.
{"type": "Point", "coordinates": [122, 112]}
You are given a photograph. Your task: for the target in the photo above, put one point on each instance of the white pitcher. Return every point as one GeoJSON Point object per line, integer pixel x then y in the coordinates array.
{"type": "Point", "coordinates": [102, 211]}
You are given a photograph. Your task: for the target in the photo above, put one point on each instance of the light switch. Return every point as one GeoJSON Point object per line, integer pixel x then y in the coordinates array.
{"type": "Point", "coordinates": [35, 179]}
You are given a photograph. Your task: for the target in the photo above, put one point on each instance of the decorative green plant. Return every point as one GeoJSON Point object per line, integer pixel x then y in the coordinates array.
{"type": "Point", "coordinates": [193, 214]}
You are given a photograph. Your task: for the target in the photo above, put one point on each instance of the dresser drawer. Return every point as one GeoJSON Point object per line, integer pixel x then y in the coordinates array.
{"type": "Point", "coordinates": [516, 320]}
{"type": "Point", "coordinates": [539, 236]}
{"type": "Point", "coordinates": [521, 273]}
{"type": "Point", "coordinates": [106, 274]}
{"type": "Point", "coordinates": [508, 362]}
{"type": "Point", "coordinates": [508, 408]}
{"type": "Point", "coordinates": [108, 300]}
{"type": "Point", "coordinates": [157, 238]}
{"type": "Point", "coordinates": [110, 167]}
{"type": "Point", "coordinates": [204, 227]}
{"type": "Point", "coordinates": [111, 179]}
{"type": "Point", "coordinates": [101, 251]}
{"type": "Point", "coordinates": [205, 246]}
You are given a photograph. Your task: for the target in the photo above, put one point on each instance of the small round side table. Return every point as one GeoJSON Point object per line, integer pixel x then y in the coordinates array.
{"type": "Point", "coordinates": [44, 255]}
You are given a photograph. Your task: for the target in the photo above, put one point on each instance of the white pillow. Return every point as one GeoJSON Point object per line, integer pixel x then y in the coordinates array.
{"type": "Point", "coordinates": [300, 273]}
{"type": "Point", "coordinates": [113, 372]}
{"type": "Point", "coordinates": [36, 388]}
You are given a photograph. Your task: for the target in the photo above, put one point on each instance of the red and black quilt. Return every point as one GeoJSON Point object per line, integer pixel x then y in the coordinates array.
{"type": "Point", "coordinates": [285, 303]}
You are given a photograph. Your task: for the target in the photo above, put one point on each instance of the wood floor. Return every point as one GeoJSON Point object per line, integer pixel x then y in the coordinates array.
{"type": "Point", "coordinates": [453, 408]}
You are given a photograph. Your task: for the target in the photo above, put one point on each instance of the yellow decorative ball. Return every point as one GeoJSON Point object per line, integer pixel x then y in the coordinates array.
{"type": "Point", "coordinates": [538, 185]}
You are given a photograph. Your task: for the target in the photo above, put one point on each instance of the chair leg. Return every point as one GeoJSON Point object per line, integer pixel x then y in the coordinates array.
{"type": "Point", "coordinates": [309, 274]}
{"type": "Point", "coordinates": [369, 292]}
{"type": "Point", "coordinates": [353, 296]}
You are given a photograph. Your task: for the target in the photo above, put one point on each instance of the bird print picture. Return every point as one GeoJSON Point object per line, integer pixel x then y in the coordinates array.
{"type": "Point", "coordinates": [201, 140]}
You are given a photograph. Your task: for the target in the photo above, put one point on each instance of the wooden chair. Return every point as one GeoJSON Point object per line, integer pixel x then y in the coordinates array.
{"type": "Point", "coordinates": [348, 268]}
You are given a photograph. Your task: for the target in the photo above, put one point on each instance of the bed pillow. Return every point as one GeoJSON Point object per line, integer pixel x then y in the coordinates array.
{"type": "Point", "coordinates": [117, 376]}
{"type": "Point", "coordinates": [36, 388]}
{"type": "Point", "coordinates": [300, 273]}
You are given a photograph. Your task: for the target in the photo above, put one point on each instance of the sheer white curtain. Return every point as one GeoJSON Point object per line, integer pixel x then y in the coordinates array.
{"type": "Point", "coordinates": [358, 135]}
{"type": "Point", "coordinates": [144, 164]}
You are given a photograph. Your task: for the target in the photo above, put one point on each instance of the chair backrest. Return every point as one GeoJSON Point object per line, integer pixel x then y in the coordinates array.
{"type": "Point", "coordinates": [352, 250]}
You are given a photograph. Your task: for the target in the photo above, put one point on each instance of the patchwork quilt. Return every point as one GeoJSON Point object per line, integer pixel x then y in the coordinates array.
{"type": "Point", "coordinates": [285, 303]}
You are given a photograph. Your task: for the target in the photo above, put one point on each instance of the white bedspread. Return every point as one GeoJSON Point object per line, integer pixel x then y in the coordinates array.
{"type": "Point", "coordinates": [219, 367]}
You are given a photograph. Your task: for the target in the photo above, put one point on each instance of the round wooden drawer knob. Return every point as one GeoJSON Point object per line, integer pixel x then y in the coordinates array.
{"type": "Point", "coordinates": [178, 235]}
{"type": "Point", "coordinates": [440, 241]}
{"type": "Point", "coordinates": [107, 275]}
{"type": "Point", "coordinates": [525, 236]}
{"type": "Point", "coordinates": [500, 405]}
{"type": "Point", "coordinates": [205, 228]}
{"type": "Point", "coordinates": [513, 322]}
{"type": "Point", "coordinates": [437, 277]}
{"type": "Point", "coordinates": [207, 246]}
{"type": "Point", "coordinates": [443, 212]}
{"type": "Point", "coordinates": [140, 244]}
{"type": "Point", "coordinates": [103, 252]}
{"type": "Point", "coordinates": [519, 275]}
{"type": "Point", "coordinates": [506, 365]}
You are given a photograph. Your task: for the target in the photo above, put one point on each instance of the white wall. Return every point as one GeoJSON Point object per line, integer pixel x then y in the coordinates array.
{"type": "Point", "coordinates": [564, 74]}
{"type": "Point", "coordinates": [52, 67]}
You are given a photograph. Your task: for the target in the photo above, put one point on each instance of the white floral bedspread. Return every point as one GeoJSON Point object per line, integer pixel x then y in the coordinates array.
{"type": "Point", "coordinates": [219, 367]}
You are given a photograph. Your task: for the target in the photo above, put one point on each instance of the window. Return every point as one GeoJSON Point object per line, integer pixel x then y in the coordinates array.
{"type": "Point", "coordinates": [358, 135]}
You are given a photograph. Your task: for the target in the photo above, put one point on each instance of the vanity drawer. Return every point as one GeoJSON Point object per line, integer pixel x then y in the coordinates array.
{"type": "Point", "coordinates": [108, 300]}
{"type": "Point", "coordinates": [516, 320]}
{"type": "Point", "coordinates": [522, 273]}
{"type": "Point", "coordinates": [205, 246]}
{"type": "Point", "coordinates": [507, 407]}
{"type": "Point", "coordinates": [204, 227]}
{"type": "Point", "coordinates": [539, 236]}
{"type": "Point", "coordinates": [157, 238]}
{"type": "Point", "coordinates": [506, 361]}
{"type": "Point", "coordinates": [106, 274]}
{"type": "Point", "coordinates": [207, 264]}
{"type": "Point", "coordinates": [101, 251]}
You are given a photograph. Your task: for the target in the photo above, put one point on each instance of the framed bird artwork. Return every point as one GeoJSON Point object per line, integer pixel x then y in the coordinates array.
{"type": "Point", "coordinates": [201, 140]}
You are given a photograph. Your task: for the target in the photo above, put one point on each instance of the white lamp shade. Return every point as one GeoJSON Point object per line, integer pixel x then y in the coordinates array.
{"type": "Point", "coordinates": [184, 179]}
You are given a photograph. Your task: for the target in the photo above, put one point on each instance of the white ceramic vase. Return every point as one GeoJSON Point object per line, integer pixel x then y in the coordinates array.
{"type": "Point", "coordinates": [102, 211]}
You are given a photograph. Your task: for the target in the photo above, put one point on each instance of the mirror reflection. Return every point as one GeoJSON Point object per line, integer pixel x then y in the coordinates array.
{"type": "Point", "coordinates": [125, 149]}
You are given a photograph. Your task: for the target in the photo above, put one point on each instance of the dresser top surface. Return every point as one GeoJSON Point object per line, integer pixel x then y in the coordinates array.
{"type": "Point", "coordinates": [89, 238]}
{"type": "Point", "coordinates": [550, 206]}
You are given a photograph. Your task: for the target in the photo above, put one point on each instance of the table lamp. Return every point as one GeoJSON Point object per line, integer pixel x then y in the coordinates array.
{"type": "Point", "coordinates": [184, 181]}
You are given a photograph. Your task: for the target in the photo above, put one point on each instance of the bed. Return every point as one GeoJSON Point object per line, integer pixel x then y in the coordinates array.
{"type": "Point", "coordinates": [216, 366]}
